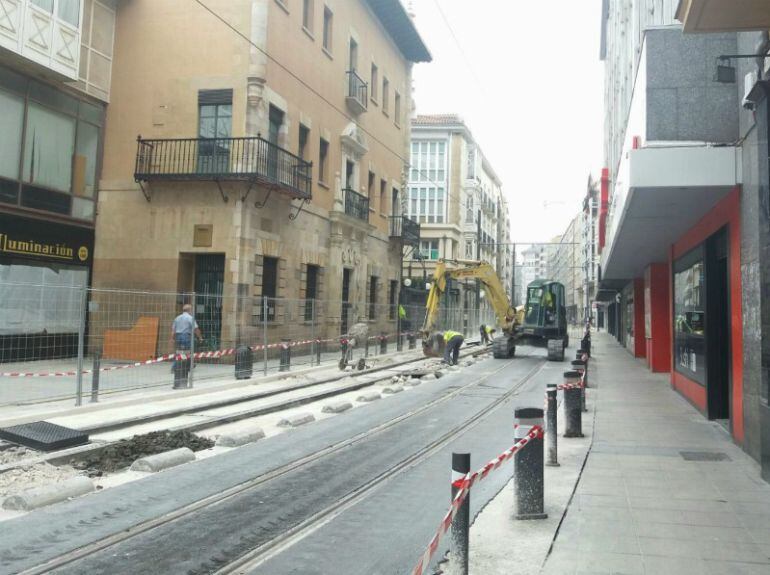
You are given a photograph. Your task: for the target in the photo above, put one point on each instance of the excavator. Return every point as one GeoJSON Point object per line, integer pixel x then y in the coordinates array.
{"type": "Point", "coordinates": [542, 321]}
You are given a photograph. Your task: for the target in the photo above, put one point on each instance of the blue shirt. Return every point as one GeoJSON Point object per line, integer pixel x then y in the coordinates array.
{"type": "Point", "coordinates": [184, 324]}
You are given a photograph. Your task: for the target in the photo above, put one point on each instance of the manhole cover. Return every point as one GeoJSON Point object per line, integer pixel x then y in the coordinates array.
{"type": "Point", "coordinates": [44, 436]}
{"type": "Point", "coordinates": [704, 456]}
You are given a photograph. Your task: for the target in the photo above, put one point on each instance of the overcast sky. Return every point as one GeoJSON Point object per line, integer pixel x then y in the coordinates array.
{"type": "Point", "coordinates": [528, 81]}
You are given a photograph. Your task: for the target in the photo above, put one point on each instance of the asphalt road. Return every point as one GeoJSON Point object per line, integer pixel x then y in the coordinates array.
{"type": "Point", "coordinates": [383, 533]}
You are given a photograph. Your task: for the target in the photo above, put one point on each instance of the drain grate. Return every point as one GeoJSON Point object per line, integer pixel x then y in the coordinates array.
{"type": "Point", "coordinates": [44, 436]}
{"type": "Point", "coordinates": [704, 456]}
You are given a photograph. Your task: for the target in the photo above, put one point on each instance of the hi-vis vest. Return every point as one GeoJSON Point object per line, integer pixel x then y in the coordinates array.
{"type": "Point", "coordinates": [450, 334]}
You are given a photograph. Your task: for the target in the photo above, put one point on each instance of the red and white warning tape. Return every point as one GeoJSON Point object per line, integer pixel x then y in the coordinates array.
{"type": "Point", "coordinates": [464, 485]}
{"type": "Point", "coordinates": [172, 356]}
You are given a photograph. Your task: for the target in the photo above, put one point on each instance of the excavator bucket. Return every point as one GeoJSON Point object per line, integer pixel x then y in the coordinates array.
{"type": "Point", "coordinates": [433, 345]}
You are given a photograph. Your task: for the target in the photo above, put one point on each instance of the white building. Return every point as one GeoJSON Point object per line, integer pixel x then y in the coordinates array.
{"type": "Point", "coordinates": [456, 196]}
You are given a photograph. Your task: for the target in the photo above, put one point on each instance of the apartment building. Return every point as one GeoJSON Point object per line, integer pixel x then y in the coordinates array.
{"type": "Point", "coordinates": [683, 198]}
{"type": "Point", "coordinates": [749, 79]}
{"type": "Point", "coordinates": [456, 197]}
{"type": "Point", "coordinates": [535, 266]}
{"type": "Point", "coordinates": [566, 267]}
{"type": "Point", "coordinates": [55, 69]}
{"type": "Point", "coordinates": [259, 154]}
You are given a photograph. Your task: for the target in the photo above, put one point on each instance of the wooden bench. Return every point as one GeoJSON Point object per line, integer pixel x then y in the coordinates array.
{"type": "Point", "coordinates": [137, 343]}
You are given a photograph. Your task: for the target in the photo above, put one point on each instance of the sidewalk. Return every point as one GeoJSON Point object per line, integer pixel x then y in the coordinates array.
{"type": "Point", "coordinates": [640, 506]}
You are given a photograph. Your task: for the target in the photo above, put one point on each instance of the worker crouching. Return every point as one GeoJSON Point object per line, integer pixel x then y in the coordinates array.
{"type": "Point", "coordinates": [452, 342]}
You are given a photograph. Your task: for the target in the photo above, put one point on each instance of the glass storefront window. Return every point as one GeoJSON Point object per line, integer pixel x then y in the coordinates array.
{"type": "Point", "coordinates": [39, 298]}
{"type": "Point", "coordinates": [11, 123]}
{"type": "Point", "coordinates": [48, 148]}
{"type": "Point", "coordinates": [57, 147]}
{"type": "Point", "coordinates": [690, 316]}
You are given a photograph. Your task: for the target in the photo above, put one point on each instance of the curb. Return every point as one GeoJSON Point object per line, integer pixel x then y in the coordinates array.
{"type": "Point", "coordinates": [48, 495]}
{"type": "Point", "coordinates": [337, 407]}
{"type": "Point", "coordinates": [296, 420]}
{"type": "Point", "coordinates": [161, 461]}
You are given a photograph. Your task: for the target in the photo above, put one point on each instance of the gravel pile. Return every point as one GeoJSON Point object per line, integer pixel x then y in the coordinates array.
{"type": "Point", "coordinates": [11, 453]}
{"type": "Point", "coordinates": [125, 452]}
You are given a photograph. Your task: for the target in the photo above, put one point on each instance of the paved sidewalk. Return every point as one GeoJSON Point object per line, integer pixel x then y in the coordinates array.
{"type": "Point", "coordinates": [640, 507]}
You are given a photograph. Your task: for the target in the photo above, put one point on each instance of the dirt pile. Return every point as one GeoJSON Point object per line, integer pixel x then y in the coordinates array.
{"type": "Point", "coordinates": [125, 452]}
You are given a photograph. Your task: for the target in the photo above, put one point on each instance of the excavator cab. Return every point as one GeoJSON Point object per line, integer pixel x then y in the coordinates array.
{"type": "Point", "coordinates": [545, 315]}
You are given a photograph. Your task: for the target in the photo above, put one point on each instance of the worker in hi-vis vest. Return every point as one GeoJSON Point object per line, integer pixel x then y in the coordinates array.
{"type": "Point", "coordinates": [452, 342]}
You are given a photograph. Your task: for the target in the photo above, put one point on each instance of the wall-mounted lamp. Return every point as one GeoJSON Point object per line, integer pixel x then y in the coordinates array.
{"type": "Point", "coordinates": [725, 73]}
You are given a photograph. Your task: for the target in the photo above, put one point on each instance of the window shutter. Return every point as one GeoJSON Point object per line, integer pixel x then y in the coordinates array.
{"type": "Point", "coordinates": [215, 96]}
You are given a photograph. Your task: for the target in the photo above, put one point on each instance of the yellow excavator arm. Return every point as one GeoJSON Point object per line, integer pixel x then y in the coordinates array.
{"type": "Point", "coordinates": [482, 271]}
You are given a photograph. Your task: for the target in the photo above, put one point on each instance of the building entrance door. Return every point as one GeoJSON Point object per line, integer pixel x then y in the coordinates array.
{"type": "Point", "coordinates": [209, 287]}
{"type": "Point", "coordinates": [717, 328]}
{"type": "Point", "coordinates": [346, 273]}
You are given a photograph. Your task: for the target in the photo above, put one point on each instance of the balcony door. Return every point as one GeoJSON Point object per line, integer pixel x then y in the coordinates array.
{"type": "Point", "coordinates": [274, 130]}
{"type": "Point", "coordinates": [215, 123]}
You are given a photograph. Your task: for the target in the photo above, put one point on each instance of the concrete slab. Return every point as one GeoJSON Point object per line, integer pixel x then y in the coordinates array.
{"type": "Point", "coordinates": [391, 389]}
{"type": "Point", "coordinates": [369, 396]}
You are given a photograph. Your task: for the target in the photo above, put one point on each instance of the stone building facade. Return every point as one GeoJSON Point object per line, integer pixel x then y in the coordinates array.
{"type": "Point", "coordinates": [259, 154]}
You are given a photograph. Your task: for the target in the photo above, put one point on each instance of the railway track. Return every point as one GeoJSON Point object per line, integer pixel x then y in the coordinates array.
{"type": "Point", "coordinates": [68, 455]}
{"type": "Point", "coordinates": [238, 560]}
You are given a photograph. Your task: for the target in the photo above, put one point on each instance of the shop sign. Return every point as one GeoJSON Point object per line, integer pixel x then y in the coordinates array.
{"type": "Point", "coordinates": [45, 241]}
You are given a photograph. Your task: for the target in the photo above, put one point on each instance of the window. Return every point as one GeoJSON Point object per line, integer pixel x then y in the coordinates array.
{"type": "Point", "coordinates": [311, 290]}
{"type": "Point", "coordinates": [215, 120]}
{"type": "Point", "coordinates": [373, 297]}
{"type": "Point", "coordinates": [307, 14]}
{"type": "Point", "coordinates": [690, 316]}
{"type": "Point", "coordinates": [426, 204]}
{"type": "Point", "coordinates": [269, 285]}
{"type": "Point", "coordinates": [328, 29]}
{"type": "Point", "coordinates": [304, 135]}
{"type": "Point", "coordinates": [469, 212]}
{"type": "Point", "coordinates": [428, 161]}
{"type": "Point", "coordinates": [370, 188]}
{"type": "Point", "coordinates": [49, 149]}
{"type": "Point", "coordinates": [353, 56]}
{"type": "Point", "coordinates": [383, 191]}
{"type": "Point", "coordinates": [469, 249]}
{"type": "Point", "coordinates": [385, 88]}
{"type": "Point", "coordinates": [374, 81]}
{"type": "Point", "coordinates": [323, 160]}
{"type": "Point", "coordinates": [350, 171]}
{"type": "Point", "coordinates": [46, 5]}
{"type": "Point", "coordinates": [397, 109]}
{"type": "Point", "coordinates": [429, 249]}
{"type": "Point", "coordinates": [69, 11]}
{"type": "Point", "coordinates": [392, 301]}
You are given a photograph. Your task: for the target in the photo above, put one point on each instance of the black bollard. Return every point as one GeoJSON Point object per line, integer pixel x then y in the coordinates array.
{"type": "Point", "coordinates": [95, 370]}
{"type": "Point", "coordinates": [318, 352]}
{"type": "Point", "coordinates": [580, 353]}
{"type": "Point", "coordinates": [461, 467]}
{"type": "Point", "coordinates": [181, 369]}
{"type": "Point", "coordinates": [244, 362]}
{"type": "Point", "coordinates": [580, 366]}
{"type": "Point", "coordinates": [551, 424]}
{"type": "Point", "coordinates": [573, 411]}
{"type": "Point", "coordinates": [528, 465]}
{"type": "Point", "coordinates": [384, 343]}
{"type": "Point", "coordinates": [412, 341]}
{"type": "Point", "coordinates": [585, 344]}
{"type": "Point", "coordinates": [285, 361]}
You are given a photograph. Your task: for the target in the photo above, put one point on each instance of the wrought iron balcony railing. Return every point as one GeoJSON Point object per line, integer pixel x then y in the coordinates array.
{"type": "Point", "coordinates": [358, 92]}
{"type": "Point", "coordinates": [405, 229]}
{"type": "Point", "coordinates": [356, 205]}
{"type": "Point", "coordinates": [248, 159]}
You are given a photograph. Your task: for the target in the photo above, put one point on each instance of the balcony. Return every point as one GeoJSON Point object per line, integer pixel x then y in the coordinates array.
{"type": "Point", "coordinates": [703, 16]}
{"type": "Point", "coordinates": [356, 205]}
{"type": "Point", "coordinates": [222, 159]}
{"type": "Point", "coordinates": [357, 96]}
{"type": "Point", "coordinates": [408, 231]}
